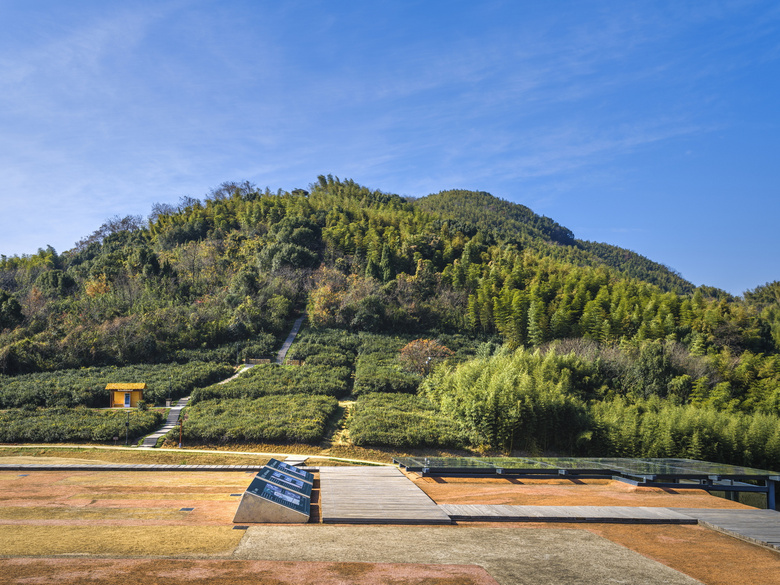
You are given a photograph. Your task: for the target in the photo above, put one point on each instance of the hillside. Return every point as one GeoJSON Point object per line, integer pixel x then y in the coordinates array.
{"type": "Point", "coordinates": [595, 337]}
{"type": "Point", "coordinates": [512, 223]}
{"type": "Point", "coordinates": [237, 265]}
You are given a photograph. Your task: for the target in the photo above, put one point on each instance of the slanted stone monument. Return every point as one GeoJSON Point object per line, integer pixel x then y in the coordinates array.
{"type": "Point", "coordinates": [279, 493]}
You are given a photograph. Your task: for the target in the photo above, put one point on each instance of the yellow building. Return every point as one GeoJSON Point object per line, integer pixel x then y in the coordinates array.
{"type": "Point", "coordinates": [126, 395]}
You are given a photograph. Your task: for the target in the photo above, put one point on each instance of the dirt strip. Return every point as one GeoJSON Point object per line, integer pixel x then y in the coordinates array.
{"type": "Point", "coordinates": [186, 572]}
{"type": "Point", "coordinates": [118, 540]}
{"type": "Point", "coordinates": [562, 492]}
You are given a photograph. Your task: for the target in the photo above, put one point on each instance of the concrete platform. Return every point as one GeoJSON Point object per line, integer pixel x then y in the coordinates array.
{"type": "Point", "coordinates": [598, 514]}
{"type": "Point", "coordinates": [512, 556]}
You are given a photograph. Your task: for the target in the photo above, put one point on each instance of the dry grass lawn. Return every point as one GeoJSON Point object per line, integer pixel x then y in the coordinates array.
{"type": "Point", "coordinates": [231, 572]}
{"type": "Point", "coordinates": [122, 540]}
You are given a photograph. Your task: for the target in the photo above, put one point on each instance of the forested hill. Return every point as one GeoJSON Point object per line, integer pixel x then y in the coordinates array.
{"type": "Point", "coordinates": [482, 211]}
{"type": "Point", "coordinates": [511, 222]}
{"type": "Point", "coordinates": [222, 277]}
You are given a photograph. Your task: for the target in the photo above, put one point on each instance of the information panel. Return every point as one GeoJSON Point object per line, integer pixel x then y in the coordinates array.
{"type": "Point", "coordinates": [284, 480]}
{"type": "Point", "coordinates": [291, 470]}
{"type": "Point", "coordinates": [269, 491]}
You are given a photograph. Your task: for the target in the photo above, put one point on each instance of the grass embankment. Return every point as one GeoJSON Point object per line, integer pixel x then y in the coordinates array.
{"type": "Point", "coordinates": [320, 454]}
{"type": "Point", "coordinates": [114, 455]}
{"type": "Point", "coordinates": [256, 454]}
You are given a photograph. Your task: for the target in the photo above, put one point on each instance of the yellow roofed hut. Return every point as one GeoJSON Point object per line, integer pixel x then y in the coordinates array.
{"type": "Point", "coordinates": [125, 395]}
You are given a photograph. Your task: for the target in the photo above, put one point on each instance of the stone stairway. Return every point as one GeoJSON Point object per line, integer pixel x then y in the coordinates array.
{"type": "Point", "coordinates": [171, 422]}
{"type": "Point", "coordinates": [175, 412]}
{"type": "Point", "coordinates": [290, 338]}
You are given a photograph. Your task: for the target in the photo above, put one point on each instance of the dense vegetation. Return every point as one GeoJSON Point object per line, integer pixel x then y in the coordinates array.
{"type": "Point", "coordinates": [87, 386]}
{"type": "Point", "coordinates": [603, 351]}
{"type": "Point", "coordinates": [402, 421]}
{"type": "Point", "coordinates": [586, 402]}
{"type": "Point", "coordinates": [75, 425]}
{"type": "Point", "coordinates": [269, 419]}
{"type": "Point", "coordinates": [236, 266]}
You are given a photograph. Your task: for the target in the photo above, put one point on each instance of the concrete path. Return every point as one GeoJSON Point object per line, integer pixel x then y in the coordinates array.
{"type": "Point", "coordinates": [756, 526]}
{"type": "Point", "coordinates": [243, 369]}
{"type": "Point", "coordinates": [290, 338]}
{"type": "Point", "coordinates": [596, 514]}
{"type": "Point", "coordinates": [172, 420]}
{"type": "Point", "coordinates": [512, 556]}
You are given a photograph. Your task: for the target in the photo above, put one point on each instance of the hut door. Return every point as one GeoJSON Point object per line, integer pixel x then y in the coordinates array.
{"type": "Point", "coordinates": [127, 399]}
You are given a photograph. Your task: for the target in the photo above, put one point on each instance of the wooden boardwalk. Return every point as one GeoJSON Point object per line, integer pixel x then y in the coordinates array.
{"type": "Point", "coordinates": [756, 526]}
{"type": "Point", "coordinates": [375, 495]}
{"type": "Point", "coordinates": [610, 514]}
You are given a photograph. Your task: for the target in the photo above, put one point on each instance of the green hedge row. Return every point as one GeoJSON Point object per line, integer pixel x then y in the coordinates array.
{"type": "Point", "coordinates": [377, 372]}
{"type": "Point", "coordinates": [311, 341]}
{"type": "Point", "coordinates": [261, 345]}
{"type": "Point", "coordinates": [274, 419]}
{"type": "Point", "coordinates": [75, 425]}
{"type": "Point", "coordinates": [272, 379]}
{"type": "Point", "coordinates": [402, 420]}
{"type": "Point", "coordinates": [86, 386]}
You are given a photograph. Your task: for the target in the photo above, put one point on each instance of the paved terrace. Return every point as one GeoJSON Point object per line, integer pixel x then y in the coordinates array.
{"type": "Point", "coordinates": [384, 495]}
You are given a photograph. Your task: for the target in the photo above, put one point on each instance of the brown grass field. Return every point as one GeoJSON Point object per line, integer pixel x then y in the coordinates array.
{"type": "Point", "coordinates": [118, 527]}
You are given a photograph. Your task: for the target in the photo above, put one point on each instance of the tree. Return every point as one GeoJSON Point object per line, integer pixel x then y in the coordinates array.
{"type": "Point", "coordinates": [10, 311]}
{"type": "Point", "coordinates": [421, 355]}
{"type": "Point", "coordinates": [386, 264]}
{"type": "Point", "coordinates": [55, 283]}
{"type": "Point", "coordinates": [537, 325]}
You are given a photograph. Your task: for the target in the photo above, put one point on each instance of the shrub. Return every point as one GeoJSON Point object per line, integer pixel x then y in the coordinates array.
{"type": "Point", "coordinates": [86, 386]}
{"type": "Point", "coordinates": [276, 419]}
{"type": "Point", "coordinates": [402, 420]}
{"type": "Point", "coordinates": [76, 425]}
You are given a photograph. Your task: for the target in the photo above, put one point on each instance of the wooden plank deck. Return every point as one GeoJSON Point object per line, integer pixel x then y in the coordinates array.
{"type": "Point", "coordinates": [757, 526]}
{"type": "Point", "coordinates": [610, 514]}
{"type": "Point", "coordinates": [374, 495]}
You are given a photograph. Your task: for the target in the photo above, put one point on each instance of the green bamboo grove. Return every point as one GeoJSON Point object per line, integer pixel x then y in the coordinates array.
{"type": "Point", "coordinates": [552, 402]}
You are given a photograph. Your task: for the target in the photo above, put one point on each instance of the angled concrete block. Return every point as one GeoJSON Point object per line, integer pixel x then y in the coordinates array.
{"type": "Point", "coordinates": [267, 502]}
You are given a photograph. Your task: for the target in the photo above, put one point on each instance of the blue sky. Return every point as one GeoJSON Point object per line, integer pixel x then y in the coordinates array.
{"type": "Point", "coordinates": [650, 125]}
